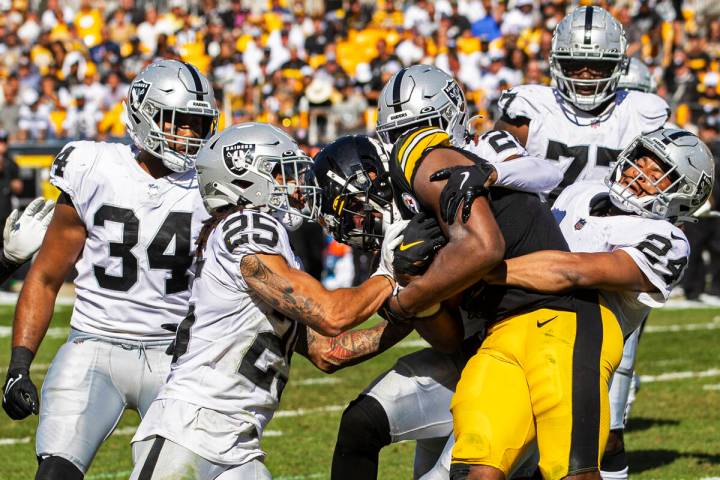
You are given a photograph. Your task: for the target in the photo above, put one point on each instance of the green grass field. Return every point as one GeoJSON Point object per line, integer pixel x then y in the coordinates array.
{"type": "Point", "coordinates": [674, 432]}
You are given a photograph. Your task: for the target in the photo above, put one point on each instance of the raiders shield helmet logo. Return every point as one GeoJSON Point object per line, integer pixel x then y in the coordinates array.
{"type": "Point", "coordinates": [704, 187]}
{"type": "Point", "coordinates": [238, 156]}
{"type": "Point", "coordinates": [453, 92]}
{"type": "Point", "coordinates": [138, 92]}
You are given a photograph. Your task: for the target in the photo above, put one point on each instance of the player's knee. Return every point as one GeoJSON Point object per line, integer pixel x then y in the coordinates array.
{"type": "Point", "coordinates": [364, 425]}
{"type": "Point", "coordinates": [58, 468]}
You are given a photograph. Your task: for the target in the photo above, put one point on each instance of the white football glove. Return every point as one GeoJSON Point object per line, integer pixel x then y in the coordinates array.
{"type": "Point", "coordinates": [24, 233]}
{"type": "Point", "coordinates": [393, 238]}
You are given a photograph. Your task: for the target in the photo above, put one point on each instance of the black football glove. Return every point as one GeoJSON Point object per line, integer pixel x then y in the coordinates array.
{"type": "Point", "coordinates": [170, 327]}
{"type": "Point", "coordinates": [464, 185]}
{"type": "Point", "coordinates": [421, 239]}
{"type": "Point", "coordinates": [20, 397]}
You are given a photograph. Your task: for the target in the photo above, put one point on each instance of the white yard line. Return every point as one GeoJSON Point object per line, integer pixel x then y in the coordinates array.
{"type": "Point", "coordinates": [670, 376]}
{"type": "Point", "coordinates": [301, 412]}
{"type": "Point", "coordinates": [317, 381]}
{"type": "Point", "coordinates": [53, 332]}
{"type": "Point", "coordinates": [714, 386]}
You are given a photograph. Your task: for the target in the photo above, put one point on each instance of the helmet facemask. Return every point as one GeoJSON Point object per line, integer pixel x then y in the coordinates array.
{"type": "Point", "coordinates": [361, 210]}
{"type": "Point", "coordinates": [295, 195]}
{"type": "Point", "coordinates": [657, 203]}
{"type": "Point", "coordinates": [178, 152]}
{"type": "Point", "coordinates": [586, 94]}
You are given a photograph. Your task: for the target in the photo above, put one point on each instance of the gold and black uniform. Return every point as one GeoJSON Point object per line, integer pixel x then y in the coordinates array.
{"type": "Point", "coordinates": [542, 371]}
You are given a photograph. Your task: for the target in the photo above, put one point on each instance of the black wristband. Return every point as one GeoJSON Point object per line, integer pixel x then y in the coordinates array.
{"type": "Point", "coordinates": [7, 266]}
{"type": "Point", "coordinates": [21, 359]}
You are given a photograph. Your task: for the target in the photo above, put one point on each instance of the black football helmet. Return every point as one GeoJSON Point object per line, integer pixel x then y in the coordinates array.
{"type": "Point", "coordinates": [356, 190]}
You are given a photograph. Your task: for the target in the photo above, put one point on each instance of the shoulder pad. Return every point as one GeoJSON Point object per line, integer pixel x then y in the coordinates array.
{"type": "Point", "coordinates": [410, 148]}
{"type": "Point", "coordinates": [250, 231]}
{"type": "Point", "coordinates": [653, 109]}
{"type": "Point", "coordinates": [523, 100]}
{"type": "Point", "coordinates": [69, 170]}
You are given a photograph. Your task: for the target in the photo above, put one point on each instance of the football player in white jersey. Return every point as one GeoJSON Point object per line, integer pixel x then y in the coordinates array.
{"type": "Point", "coordinates": [622, 234]}
{"type": "Point", "coordinates": [584, 121]}
{"type": "Point", "coordinates": [251, 307]}
{"type": "Point", "coordinates": [23, 235]}
{"type": "Point", "coordinates": [126, 219]}
{"type": "Point", "coordinates": [410, 401]}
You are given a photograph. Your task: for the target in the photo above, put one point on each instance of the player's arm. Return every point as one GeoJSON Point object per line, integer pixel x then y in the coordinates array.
{"type": "Point", "coordinates": [60, 249]}
{"type": "Point", "coordinates": [552, 271]}
{"type": "Point", "coordinates": [330, 354]}
{"type": "Point", "coordinates": [474, 247]}
{"type": "Point", "coordinates": [301, 297]}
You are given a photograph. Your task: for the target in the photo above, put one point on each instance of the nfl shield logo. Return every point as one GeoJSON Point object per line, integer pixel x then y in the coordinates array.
{"type": "Point", "coordinates": [238, 156]}
{"type": "Point", "coordinates": [580, 224]}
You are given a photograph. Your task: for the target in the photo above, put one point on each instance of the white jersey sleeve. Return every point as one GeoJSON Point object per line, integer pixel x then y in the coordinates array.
{"type": "Point", "coordinates": [496, 146]}
{"type": "Point", "coordinates": [71, 172]}
{"type": "Point", "coordinates": [659, 249]}
{"type": "Point", "coordinates": [248, 233]}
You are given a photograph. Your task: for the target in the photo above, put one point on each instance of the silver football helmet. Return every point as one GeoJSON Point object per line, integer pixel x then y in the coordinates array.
{"type": "Point", "coordinates": [421, 95]}
{"type": "Point", "coordinates": [588, 34]}
{"type": "Point", "coordinates": [687, 163]}
{"type": "Point", "coordinates": [257, 165]}
{"type": "Point", "coordinates": [637, 76]}
{"type": "Point", "coordinates": [156, 96]}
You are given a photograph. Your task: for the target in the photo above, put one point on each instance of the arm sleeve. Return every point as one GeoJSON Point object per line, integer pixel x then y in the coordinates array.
{"type": "Point", "coordinates": [516, 102]}
{"type": "Point", "coordinates": [528, 174]}
{"type": "Point", "coordinates": [7, 268]}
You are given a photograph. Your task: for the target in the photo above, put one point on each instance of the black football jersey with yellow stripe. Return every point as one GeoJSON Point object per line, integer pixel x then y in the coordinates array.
{"type": "Point", "coordinates": [524, 220]}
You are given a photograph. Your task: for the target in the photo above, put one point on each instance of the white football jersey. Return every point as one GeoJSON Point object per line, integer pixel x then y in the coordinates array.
{"type": "Point", "coordinates": [496, 146]}
{"type": "Point", "coordinates": [659, 248]}
{"type": "Point", "coordinates": [232, 352]}
{"type": "Point", "coordinates": [135, 270]}
{"type": "Point", "coordinates": [584, 145]}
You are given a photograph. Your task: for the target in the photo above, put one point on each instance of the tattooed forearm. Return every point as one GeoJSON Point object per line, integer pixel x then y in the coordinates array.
{"type": "Point", "coordinates": [278, 292]}
{"type": "Point", "coordinates": [350, 348]}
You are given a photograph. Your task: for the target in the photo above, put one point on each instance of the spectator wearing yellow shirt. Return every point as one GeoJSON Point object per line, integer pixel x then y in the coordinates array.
{"type": "Point", "coordinates": [89, 22]}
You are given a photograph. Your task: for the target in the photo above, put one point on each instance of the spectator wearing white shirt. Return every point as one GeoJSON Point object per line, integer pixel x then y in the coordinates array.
{"type": "Point", "coordinates": [34, 123]}
{"type": "Point", "coordinates": [55, 13]}
{"type": "Point", "coordinates": [82, 119]}
{"type": "Point", "coordinates": [149, 30]}
{"type": "Point", "coordinates": [519, 18]}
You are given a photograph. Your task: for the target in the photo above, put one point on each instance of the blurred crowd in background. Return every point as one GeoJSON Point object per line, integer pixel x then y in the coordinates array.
{"type": "Point", "coordinates": [316, 67]}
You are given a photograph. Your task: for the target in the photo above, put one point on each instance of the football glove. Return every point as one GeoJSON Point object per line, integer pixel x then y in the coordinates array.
{"type": "Point", "coordinates": [421, 239]}
{"type": "Point", "coordinates": [464, 185]}
{"type": "Point", "coordinates": [393, 238]}
{"type": "Point", "coordinates": [20, 397]}
{"type": "Point", "coordinates": [23, 234]}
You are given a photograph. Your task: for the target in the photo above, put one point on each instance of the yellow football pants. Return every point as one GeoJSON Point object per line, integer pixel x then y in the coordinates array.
{"type": "Point", "coordinates": [539, 376]}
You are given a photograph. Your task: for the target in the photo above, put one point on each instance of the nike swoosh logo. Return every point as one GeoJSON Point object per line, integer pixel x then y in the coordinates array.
{"type": "Point", "coordinates": [542, 324]}
{"type": "Point", "coordinates": [404, 247]}
{"type": "Point", "coordinates": [465, 175]}
{"type": "Point", "coordinates": [10, 384]}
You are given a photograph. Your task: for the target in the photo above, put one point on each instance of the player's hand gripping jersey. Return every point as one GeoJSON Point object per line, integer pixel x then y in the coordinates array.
{"type": "Point", "coordinates": [525, 222]}
{"type": "Point", "coordinates": [232, 352]}
{"type": "Point", "coordinates": [583, 144]}
{"type": "Point", "coordinates": [659, 248]}
{"type": "Point", "coordinates": [133, 273]}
